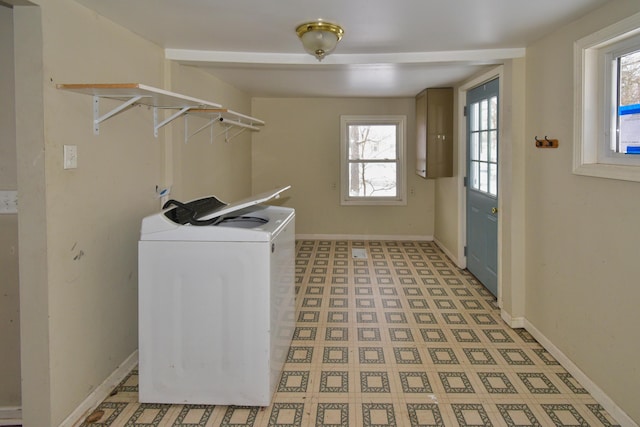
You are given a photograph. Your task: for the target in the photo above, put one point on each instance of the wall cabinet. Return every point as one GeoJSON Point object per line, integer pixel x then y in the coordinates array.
{"type": "Point", "coordinates": [434, 133]}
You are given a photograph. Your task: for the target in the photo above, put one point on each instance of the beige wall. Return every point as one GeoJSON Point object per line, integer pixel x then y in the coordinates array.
{"type": "Point", "coordinates": [301, 146]}
{"type": "Point", "coordinates": [512, 235]}
{"type": "Point", "coordinates": [9, 292]}
{"type": "Point", "coordinates": [582, 232]}
{"type": "Point", "coordinates": [450, 227]}
{"type": "Point", "coordinates": [222, 168]}
{"type": "Point", "coordinates": [79, 228]}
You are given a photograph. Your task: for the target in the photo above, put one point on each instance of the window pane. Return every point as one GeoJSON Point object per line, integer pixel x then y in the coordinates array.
{"type": "Point", "coordinates": [372, 142]}
{"type": "Point", "coordinates": [630, 79]}
{"type": "Point", "coordinates": [372, 179]}
{"type": "Point", "coordinates": [628, 105]}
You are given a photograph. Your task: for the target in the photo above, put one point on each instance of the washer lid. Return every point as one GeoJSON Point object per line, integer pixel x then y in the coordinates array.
{"type": "Point", "coordinates": [245, 203]}
{"type": "Point", "coordinates": [206, 211]}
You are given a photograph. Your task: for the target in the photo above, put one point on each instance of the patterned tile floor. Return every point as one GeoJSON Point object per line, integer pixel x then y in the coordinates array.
{"type": "Point", "coordinates": [399, 338]}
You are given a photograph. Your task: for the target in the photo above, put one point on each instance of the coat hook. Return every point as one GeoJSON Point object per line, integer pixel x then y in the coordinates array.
{"type": "Point", "coordinates": [546, 142]}
{"type": "Point", "coordinates": [538, 141]}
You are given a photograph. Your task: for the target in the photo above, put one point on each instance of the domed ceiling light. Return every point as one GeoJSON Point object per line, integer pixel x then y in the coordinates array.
{"type": "Point", "coordinates": [319, 38]}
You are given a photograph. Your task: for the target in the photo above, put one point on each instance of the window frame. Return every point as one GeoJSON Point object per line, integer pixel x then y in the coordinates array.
{"type": "Point", "coordinates": [401, 196]}
{"type": "Point", "coordinates": [595, 108]}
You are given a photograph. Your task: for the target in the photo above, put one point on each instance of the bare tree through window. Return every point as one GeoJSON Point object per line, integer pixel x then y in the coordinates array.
{"type": "Point", "coordinates": [628, 140]}
{"type": "Point", "coordinates": [630, 79]}
{"type": "Point", "coordinates": [372, 160]}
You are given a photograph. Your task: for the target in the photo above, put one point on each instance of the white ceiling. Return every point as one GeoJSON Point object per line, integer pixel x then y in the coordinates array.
{"type": "Point", "coordinates": [390, 48]}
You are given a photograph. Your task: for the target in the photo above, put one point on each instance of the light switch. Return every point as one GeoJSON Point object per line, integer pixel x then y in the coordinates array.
{"type": "Point", "coordinates": [8, 202]}
{"type": "Point", "coordinates": [70, 156]}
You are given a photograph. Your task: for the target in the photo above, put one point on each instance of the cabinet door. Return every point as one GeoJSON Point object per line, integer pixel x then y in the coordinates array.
{"type": "Point", "coordinates": [439, 132]}
{"type": "Point", "coordinates": [421, 134]}
{"type": "Point", "coordinates": [434, 133]}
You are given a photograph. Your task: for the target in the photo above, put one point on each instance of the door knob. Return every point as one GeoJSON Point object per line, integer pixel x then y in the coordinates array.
{"type": "Point", "coordinates": [494, 210]}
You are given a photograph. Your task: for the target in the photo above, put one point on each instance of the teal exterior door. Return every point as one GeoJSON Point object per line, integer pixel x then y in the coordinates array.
{"type": "Point", "coordinates": [482, 184]}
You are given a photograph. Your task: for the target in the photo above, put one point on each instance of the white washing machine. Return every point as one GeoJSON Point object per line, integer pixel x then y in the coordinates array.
{"type": "Point", "coordinates": [216, 301]}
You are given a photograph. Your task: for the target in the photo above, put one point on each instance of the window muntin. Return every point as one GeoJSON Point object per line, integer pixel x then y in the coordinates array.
{"type": "Point", "coordinates": [372, 159]}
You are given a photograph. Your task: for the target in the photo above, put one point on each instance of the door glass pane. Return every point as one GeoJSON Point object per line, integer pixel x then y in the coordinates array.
{"type": "Point", "coordinates": [493, 179]}
{"type": "Point", "coordinates": [474, 117]}
{"type": "Point", "coordinates": [484, 107]}
{"type": "Point", "coordinates": [493, 112]}
{"type": "Point", "coordinates": [475, 146]}
{"type": "Point", "coordinates": [474, 178]}
{"type": "Point", "coordinates": [372, 179]}
{"type": "Point", "coordinates": [484, 182]}
{"type": "Point", "coordinates": [493, 146]}
{"type": "Point", "coordinates": [484, 147]}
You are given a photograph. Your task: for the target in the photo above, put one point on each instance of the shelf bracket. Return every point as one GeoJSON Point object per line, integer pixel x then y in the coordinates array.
{"type": "Point", "coordinates": [209, 124]}
{"type": "Point", "coordinates": [226, 123]}
{"type": "Point", "coordinates": [225, 132]}
{"type": "Point", "coordinates": [231, 123]}
{"type": "Point", "coordinates": [97, 118]}
{"type": "Point", "coordinates": [157, 126]}
{"type": "Point", "coordinates": [238, 124]}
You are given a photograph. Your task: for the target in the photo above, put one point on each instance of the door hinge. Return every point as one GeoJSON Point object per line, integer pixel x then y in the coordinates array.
{"type": "Point", "coordinates": [466, 181]}
{"type": "Point", "coordinates": [465, 251]}
{"type": "Point", "coordinates": [465, 111]}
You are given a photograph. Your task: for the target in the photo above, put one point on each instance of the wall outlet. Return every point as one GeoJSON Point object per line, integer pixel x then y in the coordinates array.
{"type": "Point", "coordinates": [70, 156]}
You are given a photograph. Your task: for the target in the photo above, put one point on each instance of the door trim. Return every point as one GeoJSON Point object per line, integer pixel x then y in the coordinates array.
{"type": "Point", "coordinates": [461, 98]}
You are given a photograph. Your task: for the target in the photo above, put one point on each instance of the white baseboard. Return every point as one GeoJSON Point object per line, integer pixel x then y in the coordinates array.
{"type": "Point", "coordinates": [513, 322]}
{"type": "Point", "coordinates": [10, 415]}
{"type": "Point", "coordinates": [600, 396]}
{"type": "Point", "coordinates": [101, 392]}
{"type": "Point", "coordinates": [363, 237]}
{"type": "Point", "coordinates": [447, 252]}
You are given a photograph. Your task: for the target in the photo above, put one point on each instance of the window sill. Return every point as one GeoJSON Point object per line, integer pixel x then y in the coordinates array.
{"type": "Point", "coordinates": [374, 202]}
{"type": "Point", "coordinates": [601, 170]}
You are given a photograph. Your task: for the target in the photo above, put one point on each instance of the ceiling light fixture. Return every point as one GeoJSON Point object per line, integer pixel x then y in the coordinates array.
{"type": "Point", "coordinates": [319, 38]}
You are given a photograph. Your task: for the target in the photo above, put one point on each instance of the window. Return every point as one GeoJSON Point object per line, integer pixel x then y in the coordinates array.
{"type": "Point", "coordinates": [372, 160]}
{"type": "Point", "coordinates": [607, 118]}
{"type": "Point", "coordinates": [483, 146]}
